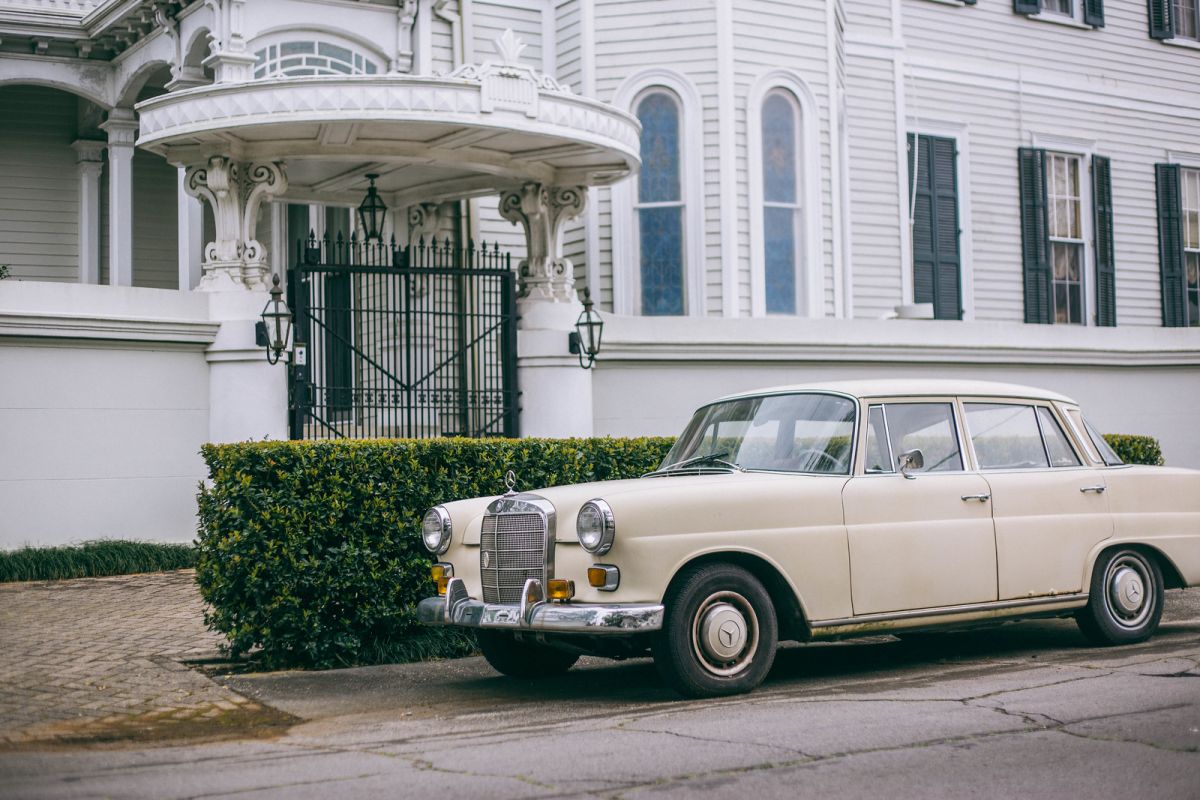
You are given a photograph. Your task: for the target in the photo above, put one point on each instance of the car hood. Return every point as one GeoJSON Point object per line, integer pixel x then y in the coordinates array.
{"type": "Point", "coordinates": [677, 504]}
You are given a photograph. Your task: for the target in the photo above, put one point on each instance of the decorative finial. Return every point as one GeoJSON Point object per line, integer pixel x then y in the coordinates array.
{"type": "Point", "coordinates": [509, 47]}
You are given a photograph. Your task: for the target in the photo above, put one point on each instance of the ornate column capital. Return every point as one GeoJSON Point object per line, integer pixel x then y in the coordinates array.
{"type": "Point", "coordinates": [89, 154]}
{"type": "Point", "coordinates": [121, 127]}
{"type": "Point", "coordinates": [542, 210]}
{"type": "Point", "coordinates": [235, 190]}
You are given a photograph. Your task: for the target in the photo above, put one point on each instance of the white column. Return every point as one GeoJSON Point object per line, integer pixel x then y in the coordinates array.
{"type": "Point", "coordinates": [89, 161]}
{"type": "Point", "coordinates": [247, 397]}
{"type": "Point", "coordinates": [556, 393]}
{"type": "Point", "coordinates": [191, 235]}
{"type": "Point", "coordinates": [122, 132]}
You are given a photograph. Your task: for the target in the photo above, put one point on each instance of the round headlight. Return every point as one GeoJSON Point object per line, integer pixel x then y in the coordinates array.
{"type": "Point", "coordinates": [436, 530]}
{"type": "Point", "coordinates": [595, 527]}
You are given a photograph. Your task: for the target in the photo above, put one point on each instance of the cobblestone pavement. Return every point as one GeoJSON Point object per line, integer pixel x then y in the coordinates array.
{"type": "Point", "coordinates": [98, 658]}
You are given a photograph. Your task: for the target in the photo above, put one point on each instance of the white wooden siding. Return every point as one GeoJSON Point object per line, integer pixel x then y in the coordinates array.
{"type": "Point", "coordinates": [155, 222]}
{"type": "Point", "coordinates": [39, 187]}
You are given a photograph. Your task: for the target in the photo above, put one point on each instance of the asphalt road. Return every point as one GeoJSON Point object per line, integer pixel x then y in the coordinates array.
{"type": "Point", "coordinates": [1025, 710]}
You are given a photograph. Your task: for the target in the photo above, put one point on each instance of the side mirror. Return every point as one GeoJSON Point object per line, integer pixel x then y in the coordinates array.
{"type": "Point", "coordinates": [914, 460]}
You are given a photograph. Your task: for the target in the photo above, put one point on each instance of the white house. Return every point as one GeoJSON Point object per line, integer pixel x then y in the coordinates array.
{"type": "Point", "coordinates": [754, 193]}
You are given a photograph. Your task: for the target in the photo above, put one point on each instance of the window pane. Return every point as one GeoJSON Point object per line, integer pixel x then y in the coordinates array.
{"type": "Point", "coordinates": [660, 236]}
{"type": "Point", "coordinates": [1106, 453]}
{"type": "Point", "coordinates": [878, 459]}
{"type": "Point", "coordinates": [1005, 436]}
{"type": "Point", "coordinates": [928, 427]}
{"type": "Point", "coordinates": [779, 149]}
{"type": "Point", "coordinates": [780, 259]}
{"type": "Point", "coordinates": [295, 48]}
{"type": "Point", "coordinates": [658, 180]}
{"type": "Point", "coordinates": [1061, 454]}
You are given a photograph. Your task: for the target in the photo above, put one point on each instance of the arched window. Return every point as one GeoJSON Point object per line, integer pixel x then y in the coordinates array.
{"type": "Point", "coordinates": [659, 206]}
{"type": "Point", "coordinates": [782, 228]}
{"type": "Point", "coordinates": [308, 57]}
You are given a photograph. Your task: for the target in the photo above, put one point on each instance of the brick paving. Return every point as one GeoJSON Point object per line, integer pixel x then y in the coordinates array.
{"type": "Point", "coordinates": [82, 657]}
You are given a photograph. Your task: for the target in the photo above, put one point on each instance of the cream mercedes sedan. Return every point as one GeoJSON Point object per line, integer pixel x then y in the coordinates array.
{"type": "Point", "coordinates": [822, 512]}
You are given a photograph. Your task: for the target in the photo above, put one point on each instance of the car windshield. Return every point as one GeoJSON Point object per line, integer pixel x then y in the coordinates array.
{"type": "Point", "coordinates": [779, 433]}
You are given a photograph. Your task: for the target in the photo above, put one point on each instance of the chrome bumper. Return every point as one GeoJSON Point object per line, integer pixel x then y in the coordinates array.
{"type": "Point", "coordinates": [535, 613]}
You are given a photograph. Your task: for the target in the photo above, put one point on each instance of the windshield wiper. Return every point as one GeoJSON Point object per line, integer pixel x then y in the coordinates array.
{"type": "Point", "coordinates": [710, 458]}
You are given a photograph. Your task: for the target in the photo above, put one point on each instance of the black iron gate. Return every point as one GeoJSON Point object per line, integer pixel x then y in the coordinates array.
{"type": "Point", "coordinates": [415, 341]}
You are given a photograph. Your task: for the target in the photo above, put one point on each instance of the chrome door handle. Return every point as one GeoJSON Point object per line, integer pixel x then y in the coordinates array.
{"type": "Point", "coordinates": [983, 498]}
{"type": "Point", "coordinates": [1098, 488]}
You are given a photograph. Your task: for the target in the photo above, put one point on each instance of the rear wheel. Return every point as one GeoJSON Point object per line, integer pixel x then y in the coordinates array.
{"type": "Point", "coordinates": [719, 633]}
{"type": "Point", "coordinates": [1125, 599]}
{"type": "Point", "coordinates": [523, 659]}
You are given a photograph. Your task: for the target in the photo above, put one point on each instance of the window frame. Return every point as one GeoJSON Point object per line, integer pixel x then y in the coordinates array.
{"type": "Point", "coordinates": [1034, 406]}
{"type": "Point", "coordinates": [626, 261]}
{"type": "Point", "coordinates": [809, 263]}
{"type": "Point", "coordinates": [1182, 38]}
{"type": "Point", "coordinates": [1189, 180]}
{"type": "Point", "coordinates": [966, 455]}
{"type": "Point", "coordinates": [336, 37]}
{"type": "Point", "coordinates": [1084, 150]}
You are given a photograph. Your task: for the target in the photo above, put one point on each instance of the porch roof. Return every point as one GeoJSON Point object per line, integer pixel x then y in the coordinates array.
{"type": "Point", "coordinates": [479, 130]}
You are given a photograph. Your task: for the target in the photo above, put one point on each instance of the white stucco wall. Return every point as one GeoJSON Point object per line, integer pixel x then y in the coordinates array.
{"type": "Point", "coordinates": [102, 413]}
{"type": "Point", "coordinates": [1129, 381]}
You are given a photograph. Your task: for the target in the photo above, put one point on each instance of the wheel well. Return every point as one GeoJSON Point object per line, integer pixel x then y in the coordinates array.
{"type": "Point", "coordinates": [792, 623]}
{"type": "Point", "coordinates": [1172, 578]}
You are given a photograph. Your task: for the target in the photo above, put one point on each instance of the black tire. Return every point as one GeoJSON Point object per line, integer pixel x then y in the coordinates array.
{"type": "Point", "coordinates": [1125, 599]}
{"type": "Point", "coordinates": [719, 633]}
{"type": "Point", "coordinates": [523, 659]}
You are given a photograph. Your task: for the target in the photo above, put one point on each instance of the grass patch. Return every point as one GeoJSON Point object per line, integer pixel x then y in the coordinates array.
{"type": "Point", "coordinates": [93, 559]}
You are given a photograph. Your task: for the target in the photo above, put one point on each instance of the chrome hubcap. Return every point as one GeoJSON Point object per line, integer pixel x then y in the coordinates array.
{"type": "Point", "coordinates": [725, 633]}
{"type": "Point", "coordinates": [1127, 585]}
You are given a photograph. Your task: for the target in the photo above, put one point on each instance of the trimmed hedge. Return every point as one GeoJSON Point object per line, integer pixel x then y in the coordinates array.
{"type": "Point", "coordinates": [1135, 449]}
{"type": "Point", "coordinates": [93, 559]}
{"type": "Point", "coordinates": [311, 551]}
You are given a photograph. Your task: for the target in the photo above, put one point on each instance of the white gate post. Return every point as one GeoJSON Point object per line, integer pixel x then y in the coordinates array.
{"type": "Point", "coordinates": [556, 394]}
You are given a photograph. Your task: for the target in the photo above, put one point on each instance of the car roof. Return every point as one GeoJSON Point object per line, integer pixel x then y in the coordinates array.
{"type": "Point", "coordinates": [913, 387]}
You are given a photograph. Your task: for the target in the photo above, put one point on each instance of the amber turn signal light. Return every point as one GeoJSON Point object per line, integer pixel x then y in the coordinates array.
{"type": "Point", "coordinates": [597, 576]}
{"type": "Point", "coordinates": [441, 575]}
{"type": "Point", "coordinates": [560, 589]}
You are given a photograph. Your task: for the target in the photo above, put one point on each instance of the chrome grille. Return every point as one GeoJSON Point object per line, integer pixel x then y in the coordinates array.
{"type": "Point", "coordinates": [512, 549]}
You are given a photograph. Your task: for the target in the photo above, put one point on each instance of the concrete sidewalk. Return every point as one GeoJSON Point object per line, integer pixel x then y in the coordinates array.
{"type": "Point", "coordinates": [98, 659]}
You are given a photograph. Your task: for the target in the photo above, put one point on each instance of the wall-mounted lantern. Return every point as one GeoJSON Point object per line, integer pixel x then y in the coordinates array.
{"type": "Point", "coordinates": [371, 212]}
{"type": "Point", "coordinates": [275, 328]}
{"type": "Point", "coordinates": [584, 341]}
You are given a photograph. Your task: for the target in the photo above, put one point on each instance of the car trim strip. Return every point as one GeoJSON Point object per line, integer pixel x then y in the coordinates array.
{"type": "Point", "coordinates": [1079, 598]}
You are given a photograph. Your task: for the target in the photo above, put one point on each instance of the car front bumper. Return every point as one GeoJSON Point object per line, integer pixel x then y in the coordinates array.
{"type": "Point", "coordinates": [535, 613]}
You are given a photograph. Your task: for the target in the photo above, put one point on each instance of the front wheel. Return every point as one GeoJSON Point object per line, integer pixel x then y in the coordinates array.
{"type": "Point", "coordinates": [719, 634]}
{"type": "Point", "coordinates": [1125, 599]}
{"type": "Point", "coordinates": [518, 659]}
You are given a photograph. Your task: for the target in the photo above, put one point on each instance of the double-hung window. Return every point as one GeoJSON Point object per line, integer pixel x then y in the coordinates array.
{"type": "Point", "coordinates": [1187, 19]}
{"type": "Point", "coordinates": [1072, 12]}
{"type": "Point", "coordinates": [1190, 191]}
{"type": "Point", "coordinates": [1065, 211]}
{"type": "Point", "coordinates": [1067, 237]}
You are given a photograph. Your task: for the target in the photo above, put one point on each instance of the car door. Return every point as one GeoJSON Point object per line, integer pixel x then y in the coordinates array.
{"type": "Point", "coordinates": [922, 541]}
{"type": "Point", "coordinates": [1048, 504]}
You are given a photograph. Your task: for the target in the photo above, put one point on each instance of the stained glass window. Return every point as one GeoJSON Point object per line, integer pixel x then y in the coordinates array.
{"type": "Point", "coordinates": [781, 206]}
{"type": "Point", "coordinates": [660, 206]}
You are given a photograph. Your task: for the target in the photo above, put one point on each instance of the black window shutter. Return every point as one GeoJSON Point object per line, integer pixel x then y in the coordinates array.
{"type": "Point", "coordinates": [1027, 6]}
{"type": "Point", "coordinates": [1170, 244]}
{"type": "Point", "coordinates": [1035, 242]}
{"type": "Point", "coordinates": [1106, 268]}
{"type": "Point", "coordinates": [969, 2]}
{"type": "Point", "coordinates": [1161, 15]}
{"type": "Point", "coordinates": [1093, 13]}
{"type": "Point", "coordinates": [936, 257]}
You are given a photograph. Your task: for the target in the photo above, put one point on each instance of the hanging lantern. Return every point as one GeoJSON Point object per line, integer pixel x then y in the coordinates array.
{"type": "Point", "coordinates": [371, 212]}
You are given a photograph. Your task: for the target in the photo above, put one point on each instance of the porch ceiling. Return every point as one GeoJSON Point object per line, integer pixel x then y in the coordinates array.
{"type": "Point", "coordinates": [428, 138]}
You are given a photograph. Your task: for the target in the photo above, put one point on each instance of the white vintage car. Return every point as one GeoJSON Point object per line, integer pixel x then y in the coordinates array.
{"type": "Point", "coordinates": [821, 512]}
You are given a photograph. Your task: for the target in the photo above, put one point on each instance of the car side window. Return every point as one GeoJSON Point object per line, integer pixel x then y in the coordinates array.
{"type": "Point", "coordinates": [1057, 445]}
{"type": "Point", "coordinates": [1005, 436]}
{"type": "Point", "coordinates": [928, 427]}
{"type": "Point", "coordinates": [878, 457]}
